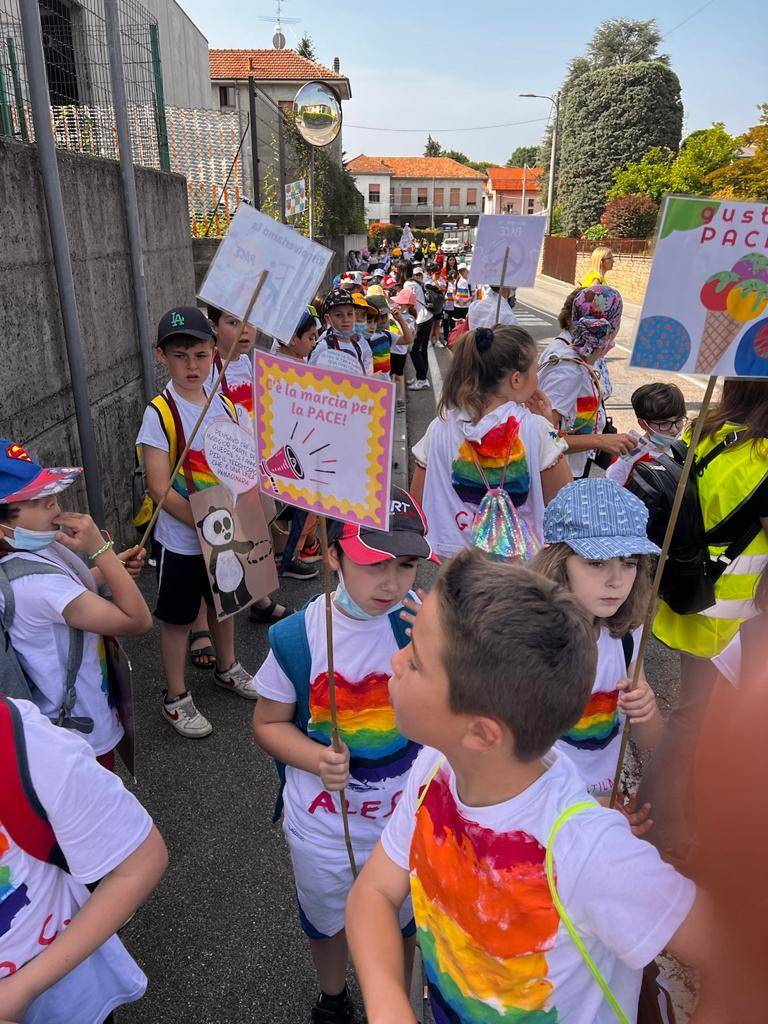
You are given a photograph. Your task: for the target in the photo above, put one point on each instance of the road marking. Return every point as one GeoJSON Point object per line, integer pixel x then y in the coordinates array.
{"type": "Point", "coordinates": [437, 377]}
{"type": "Point", "coordinates": [529, 320]}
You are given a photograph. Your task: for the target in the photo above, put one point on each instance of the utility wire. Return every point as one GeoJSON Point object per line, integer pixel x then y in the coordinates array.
{"type": "Point", "coordinates": [686, 20]}
{"type": "Point", "coordinates": [444, 131]}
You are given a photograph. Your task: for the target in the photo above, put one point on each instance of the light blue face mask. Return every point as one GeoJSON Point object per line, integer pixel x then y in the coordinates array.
{"type": "Point", "coordinates": [347, 604]}
{"type": "Point", "coordinates": [661, 440]}
{"type": "Point", "coordinates": [31, 540]}
{"type": "Point", "coordinates": [345, 335]}
{"type": "Point", "coordinates": [360, 328]}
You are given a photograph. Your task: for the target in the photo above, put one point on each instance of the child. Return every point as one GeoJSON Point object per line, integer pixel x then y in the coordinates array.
{"type": "Point", "coordinates": [67, 823]}
{"type": "Point", "coordinates": [292, 722]}
{"type": "Point", "coordinates": [342, 335]}
{"type": "Point", "coordinates": [501, 663]}
{"type": "Point", "coordinates": [404, 302]}
{"type": "Point", "coordinates": [483, 427]}
{"type": "Point", "coordinates": [597, 548]}
{"type": "Point", "coordinates": [661, 415]}
{"type": "Point", "coordinates": [56, 605]}
{"type": "Point", "coordinates": [185, 347]}
{"type": "Point", "coordinates": [303, 341]}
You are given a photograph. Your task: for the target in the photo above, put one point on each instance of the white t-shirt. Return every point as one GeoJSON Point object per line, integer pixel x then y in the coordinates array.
{"type": "Point", "coordinates": [97, 824]}
{"type": "Point", "coordinates": [399, 348]}
{"type": "Point", "coordinates": [462, 294]}
{"type": "Point", "coordinates": [593, 743]}
{"type": "Point", "coordinates": [422, 313]}
{"type": "Point", "coordinates": [454, 488]}
{"type": "Point", "coordinates": [239, 385]}
{"type": "Point", "coordinates": [40, 636]}
{"type": "Point", "coordinates": [482, 312]}
{"type": "Point", "coordinates": [362, 363]}
{"type": "Point", "coordinates": [491, 938]}
{"type": "Point", "coordinates": [574, 394]}
{"type": "Point", "coordinates": [169, 531]}
{"type": "Point", "coordinates": [621, 469]}
{"type": "Point", "coordinates": [380, 756]}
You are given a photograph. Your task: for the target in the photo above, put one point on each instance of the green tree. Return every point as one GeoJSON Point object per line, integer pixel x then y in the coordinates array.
{"type": "Point", "coordinates": [455, 154]}
{"type": "Point", "coordinates": [747, 177]}
{"type": "Point", "coordinates": [306, 47]}
{"type": "Point", "coordinates": [625, 41]}
{"type": "Point", "coordinates": [433, 147]}
{"type": "Point", "coordinates": [651, 175]}
{"type": "Point", "coordinates": [480, 165]}
{"type": "Point", "coordinates": [523, 155]}
{"type": "Point", "coordinates": [609, 117]}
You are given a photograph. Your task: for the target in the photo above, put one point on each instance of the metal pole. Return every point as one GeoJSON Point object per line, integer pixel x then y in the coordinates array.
{"type": "Point", "coordinates": [114, 49]}
{"type": "Point", "coordinates": [161, 124]}
{"type": "Point", "coordinates": [281, 156]}
{"type": "Point", "coordinates": [522, 199]}
{"type": "Point", "coordinates": [552, 161]}
{"type": "Point", "coordinates": [39, 100]}
{"type": "Point", "coordinates": [254, 143]}
{"type": "Point", "coordinates": [18, 96]}
{"type": "Point", "coordinates": [433, 203]}
{"type": "Point", "coordinates": [312, 192]}
{"type": "Point", "coordinates": [5, 110]}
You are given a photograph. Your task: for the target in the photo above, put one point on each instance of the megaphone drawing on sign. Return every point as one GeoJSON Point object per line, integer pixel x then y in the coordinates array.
{"type": "Point", "coordinates": [284, 463]}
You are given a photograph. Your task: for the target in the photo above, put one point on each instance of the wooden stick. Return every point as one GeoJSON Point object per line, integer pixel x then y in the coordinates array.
{"type": "Point", "coordinates": [204, 410]}
{"type": "Point", "coordinates": [335, 739]}
{"type": "Point", "coordinates": [651, 610]}
{"type": "Point", "coordinates": [501, 285]}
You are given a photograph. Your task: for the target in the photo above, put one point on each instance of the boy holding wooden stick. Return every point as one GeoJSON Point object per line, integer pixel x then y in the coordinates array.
{"type": "Point", "coordinates": [293, 722]}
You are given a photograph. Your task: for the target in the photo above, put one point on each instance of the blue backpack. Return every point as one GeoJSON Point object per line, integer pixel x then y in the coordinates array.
{"type": "Point", "coordinates": [290, 646]}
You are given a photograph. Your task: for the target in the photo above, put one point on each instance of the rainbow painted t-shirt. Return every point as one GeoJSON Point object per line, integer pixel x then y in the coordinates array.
{"type": "Point", "coordinates": [490, 452]}
{"type": "Point", "coordinates": [239, 378]}
{"type": "Point", "coordinates": [381, 344]}
{"type": "Point", "coordinates": [585, 420]}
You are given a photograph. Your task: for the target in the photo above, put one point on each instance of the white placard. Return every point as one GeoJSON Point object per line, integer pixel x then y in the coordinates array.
{"type": "Point", "coordinates": [255, 243]}
{"type": "Point", "coordinates": [496, 233]}
{"type": "Point", "coordinates": [231, 453]}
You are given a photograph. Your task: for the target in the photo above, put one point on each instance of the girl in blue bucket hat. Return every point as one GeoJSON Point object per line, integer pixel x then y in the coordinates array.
{"type": "Point", "coordinates": [597, 548]}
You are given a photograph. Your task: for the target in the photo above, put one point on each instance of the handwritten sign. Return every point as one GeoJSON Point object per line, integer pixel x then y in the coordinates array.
{"type": "Point", "coordinates": [231, 453]}
{"type": "Point", "coordinates": [497, 233]}
{"type": "Point", "coordinates": [255, 243]}
{"type": "Point", "coordinates": [324, 439]}
{"type": "Point", "coordinates": [706, 305]}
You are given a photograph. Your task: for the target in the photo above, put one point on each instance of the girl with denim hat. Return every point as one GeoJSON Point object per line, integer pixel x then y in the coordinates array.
{"type": "Point", "coordinates": [597, 548]}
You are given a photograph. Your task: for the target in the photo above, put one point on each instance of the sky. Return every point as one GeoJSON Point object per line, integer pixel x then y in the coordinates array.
{"type": "Point", "coordinates": [449, 67]}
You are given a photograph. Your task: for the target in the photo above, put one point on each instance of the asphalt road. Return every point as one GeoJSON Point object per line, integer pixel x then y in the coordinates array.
{"type": "Point", "coordinates": [220, 939]}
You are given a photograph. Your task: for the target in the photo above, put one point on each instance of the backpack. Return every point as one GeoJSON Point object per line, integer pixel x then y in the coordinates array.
{"type": "Point", "coordinates": [13, 679]}
{"type": "Point", "coordinates": [690, 575]}
{"type": "Point", "coordinates": [497, 528]}
{"type": "Point", "coordinates": [290, 646]}
{"type": "Point", "coordinates": [434, 299]}
{"type": "Point", "coordinates": [22, 815]}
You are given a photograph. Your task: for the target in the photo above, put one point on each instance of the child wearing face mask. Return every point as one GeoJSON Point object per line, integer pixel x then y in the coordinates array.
{"type": "Point", "coordinates": [597, 548]}
{"type": "Point", "coordinates": [342, 335]}
{"type": "Point", "coordinates": [54, 562]}
{"type": "Point", "coordinates": [292, 722]}
{"type": "Point", "coordinates": [661, 415]}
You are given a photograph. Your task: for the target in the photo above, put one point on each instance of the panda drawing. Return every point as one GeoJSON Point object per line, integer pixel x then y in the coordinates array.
{"type": "Point", "coordinates": [225, 567]}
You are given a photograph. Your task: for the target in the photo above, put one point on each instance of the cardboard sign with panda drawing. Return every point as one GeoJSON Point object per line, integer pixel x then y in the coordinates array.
{"type": "Point", "coordinates": [237, 548]}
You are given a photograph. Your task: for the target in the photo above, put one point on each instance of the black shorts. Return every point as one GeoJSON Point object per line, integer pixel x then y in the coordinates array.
{"type": "Point", "coordinates": [397, 363]}
{"type": "Point", "coordinates": [182, 583]}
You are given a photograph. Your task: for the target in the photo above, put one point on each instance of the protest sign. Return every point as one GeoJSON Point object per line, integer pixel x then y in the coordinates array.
{"type": "Point", "coordinates": [497, 234]}
{"type": "Point", "coordinates": [707, 295]}
{"type": "Point", "coordinates": [236, 545]}
{"type": "Point", "coordinates": [295, 197]}
{"type": "Point", "coordinates": [230, 451]}
{"type": "Point", "coordinates": [324, 439]}
{"type": "Point", "coordinates": [255, 243]}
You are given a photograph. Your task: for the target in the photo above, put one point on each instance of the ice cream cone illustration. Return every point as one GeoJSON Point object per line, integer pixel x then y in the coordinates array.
{"type": "Point", "coordinates": [730, 300]}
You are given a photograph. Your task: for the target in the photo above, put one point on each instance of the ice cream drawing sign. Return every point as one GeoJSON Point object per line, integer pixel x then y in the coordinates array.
{"type": "Point", "coordinates": [706, 305]}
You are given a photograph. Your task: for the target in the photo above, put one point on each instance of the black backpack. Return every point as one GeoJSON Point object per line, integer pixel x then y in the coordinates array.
{"type": "Point", "coordinates": [688, 581]}
{"type": "Point", "coordinates": [434, 299]}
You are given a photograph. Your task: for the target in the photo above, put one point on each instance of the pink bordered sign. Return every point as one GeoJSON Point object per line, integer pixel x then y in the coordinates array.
{"type": "Point", "coordinates": [324, 439]}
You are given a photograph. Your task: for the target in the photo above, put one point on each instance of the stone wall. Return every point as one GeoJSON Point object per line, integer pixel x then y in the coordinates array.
{"type": "Point", "coordinates": [628, 276]}
{"type": "Point", "coordinates": [37, 408]}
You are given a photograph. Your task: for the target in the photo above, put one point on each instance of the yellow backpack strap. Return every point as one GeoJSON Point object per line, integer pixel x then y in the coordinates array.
{"type": "Point", "coordinates": [163, 409]}
{"type": "Point", "coordinates": [567, 814]}
{"type": "Point", "coordinates": [229, 405]}
{"type": "Point", "coordinates": [428, 783]}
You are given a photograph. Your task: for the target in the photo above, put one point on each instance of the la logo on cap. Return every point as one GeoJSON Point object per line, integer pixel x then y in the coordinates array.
{"type": "Point", "coordinates": [15, 451]}
{"type": "Point", "coordinates": [177, 320]}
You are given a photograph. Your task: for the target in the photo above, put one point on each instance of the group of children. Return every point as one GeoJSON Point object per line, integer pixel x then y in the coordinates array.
{"type": "Point", "coordinates": [474, 725]}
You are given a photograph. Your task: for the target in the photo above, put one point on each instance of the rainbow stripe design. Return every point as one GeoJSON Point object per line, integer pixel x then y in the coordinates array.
{"type": "Point", "coordinates": [242, 395]}
{"type": "Point", "coordinates": [197, 465]}
{"type": "Point", "coordinates": [598, 725]}
{"type": "Point", "coordinates": [491, 453]}
{"type": "Point", "coordinates": [366, 724]}
{"type": "Point", "coordinates": [484, 916]}
{"type": "Point", "coordinates": [380, 346]}
{"type": "Point", "coordinates": [101, 650]}
{"type": "Point", "coordinates": [12, 898]}
{"type": "Point", "coordinates": [586, 415]}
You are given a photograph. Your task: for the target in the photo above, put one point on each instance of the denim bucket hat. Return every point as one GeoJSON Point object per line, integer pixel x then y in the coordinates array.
{"type": "Point", "coordinates": [598, 519]}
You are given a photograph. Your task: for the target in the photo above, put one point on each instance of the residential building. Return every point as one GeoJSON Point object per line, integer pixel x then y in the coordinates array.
{"type": "Point", "coordinates": [420, 190]}
{"type": "Point", "coordinates": [513, 190]}
{"type": "Point", "coordinates": [184, 56]}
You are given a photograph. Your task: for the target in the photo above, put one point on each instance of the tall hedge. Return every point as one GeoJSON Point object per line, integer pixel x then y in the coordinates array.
{"type": "Point", "coordinates": [610, 118]}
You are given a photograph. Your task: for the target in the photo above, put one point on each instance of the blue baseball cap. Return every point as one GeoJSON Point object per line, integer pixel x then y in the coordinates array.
{"type": "Point", "coordinates": [598, 519]}
{"type": "Point", "coordinates": [21, 479]}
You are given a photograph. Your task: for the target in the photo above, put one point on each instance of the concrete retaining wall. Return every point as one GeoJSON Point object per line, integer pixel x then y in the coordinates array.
{"type": "Point", "coordinates": [628, 276]}
{"type": "Point", "coordinates": [37, 409]}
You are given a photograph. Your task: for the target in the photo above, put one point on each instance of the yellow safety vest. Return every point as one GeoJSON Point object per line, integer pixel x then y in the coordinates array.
{"type": "Point", "coordinates": [727, 482]}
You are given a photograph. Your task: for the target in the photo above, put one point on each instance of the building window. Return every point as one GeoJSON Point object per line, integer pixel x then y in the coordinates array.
{"type": "Point", "coordinates": [63, 51]}
{"type": "Point", "coordinates": [421, 197]}
{"type": "Point", "coordinates": [530, 205]}
{"type": "Point", "coordinates": [227, 99]}
{"type": "Point", "coordinates": [439, 200]}
{"type": "Point", "coordinates": [374, 194]}
{"type": "Point", "coordinates": [391, 197]}
{"type": "Point", "coordinates": [454, 197]}
{"type": "Point", "coordinates": [509, 208]}
{"type": "Point", "coordinates": [405, 196]}
{"type": "Point", "coordinates": [471, 197]}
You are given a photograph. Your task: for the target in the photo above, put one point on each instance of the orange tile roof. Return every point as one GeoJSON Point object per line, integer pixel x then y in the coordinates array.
{"type": "Point", "coordinates": [511, 178]}
{"type": "Point", "coordinates": [412, 167]}
{"type": "Point", "coordinates": [275, 64]}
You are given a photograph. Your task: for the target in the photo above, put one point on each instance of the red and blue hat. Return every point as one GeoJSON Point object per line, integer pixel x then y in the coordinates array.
{"type": "Point", "coordinates": [407, 536]}
{"type": "Point", "coordinates": [21, 479]}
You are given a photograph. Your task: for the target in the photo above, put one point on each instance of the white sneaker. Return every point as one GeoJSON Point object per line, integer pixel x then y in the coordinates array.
{"type": "Point", "coordinates": [186, 719]}
{"type": "Point", "coordinates": [418, 385]}
{"type": "Point", "coordinates": [237, 679]}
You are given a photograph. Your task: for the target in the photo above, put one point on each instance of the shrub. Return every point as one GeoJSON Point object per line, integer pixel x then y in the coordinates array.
{"type": "Point", "coordinates": [630, 217]}
{"type": "Point", "coordinates": [596, 232]}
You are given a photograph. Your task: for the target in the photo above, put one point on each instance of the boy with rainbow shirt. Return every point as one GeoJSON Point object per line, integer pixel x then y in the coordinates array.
{"type": "Point", "coordinates": [292, 721]}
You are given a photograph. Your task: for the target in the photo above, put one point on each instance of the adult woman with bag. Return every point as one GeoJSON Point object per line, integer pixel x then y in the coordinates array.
{"type": "Point", "coordinates": [737, 478]}
{"type": "Point", "coordinates": [570, 378]}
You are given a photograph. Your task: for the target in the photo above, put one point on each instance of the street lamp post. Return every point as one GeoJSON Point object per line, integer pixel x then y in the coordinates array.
{"type": "Point", "coordinates": [555, 101]}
